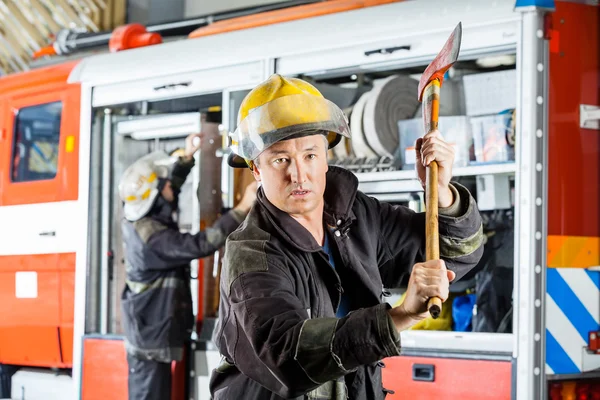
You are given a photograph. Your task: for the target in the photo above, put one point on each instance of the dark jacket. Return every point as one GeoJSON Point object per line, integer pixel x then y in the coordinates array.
{"type": "Point", "coordinates": [277, 327]}
{"type": "Point", "coordinates": [156, 301]}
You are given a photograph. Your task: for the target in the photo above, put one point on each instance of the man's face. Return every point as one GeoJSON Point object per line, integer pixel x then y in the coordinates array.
{"type": "Point", "coordinates": [292, 174]}
{"type": "Point", "coordinates": [167, 192]}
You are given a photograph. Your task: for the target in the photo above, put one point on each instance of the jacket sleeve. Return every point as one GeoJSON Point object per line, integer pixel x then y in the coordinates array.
{"type": "Point", "coordinates": [402, 237]}
{"type": "Point", "coordinates": [278, 345]}
{"type": "Point", "coordinates": [181, 248]}
{"type": "Point", "coordinates": [179, 173]}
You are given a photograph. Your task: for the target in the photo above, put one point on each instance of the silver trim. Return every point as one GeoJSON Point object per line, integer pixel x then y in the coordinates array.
{"type": "Point", "coordinates": [106, 217]}
{"type": "Point", "coordinates": [530, 228]}
{"type": "Point", "coordinates": [506, 168]}
{"type": "Point", "coordinates": [457, 342]}
{"type": "Point", "coordinates": [160, 126]}
{"type": "Point", "coordinates": [196, 206]}
{"type": "Point", "coordinates": [81, 256]}
{"type": "Point", "coordinates": [227, 186]}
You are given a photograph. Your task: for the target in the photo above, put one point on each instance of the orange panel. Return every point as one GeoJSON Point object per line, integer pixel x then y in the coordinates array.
{"type": "Point", "coordinates": [30, 327]}
{"type": "Point", "coordinates": [66, 270]}
{"type": "Point", "coordinates": [454, 379]}
{"type": "Point", "coordinates": [574, 153]}
{"type": "Point", "coordinates": [25, 82]}
{"type": "Point", "coordinates": [64, 186]}
{"type": "Point", "coordinates": [179, 378]}
{"type": "Point", "coordinates": [104, 369]}
{"type": "Point", "coordinates": [573, 251]}
{"type": "Point", "coordinates": [285, 15]}
{"type": "Point", "coordinates": [34, 345]}
{"type": "Point", "coordinates": [66, 344]}
{"type": "Point", "coordinates": [69, 142]}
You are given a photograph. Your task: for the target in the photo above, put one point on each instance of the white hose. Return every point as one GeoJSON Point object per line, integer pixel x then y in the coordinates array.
{"type": "Point", "coordinates": [391, 99]}
{"type": "Point", "coordinates": [360, 147]}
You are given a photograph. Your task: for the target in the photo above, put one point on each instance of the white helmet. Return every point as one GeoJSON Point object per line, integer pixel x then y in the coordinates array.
{"type": "Point", "coordinates": [138, 187]}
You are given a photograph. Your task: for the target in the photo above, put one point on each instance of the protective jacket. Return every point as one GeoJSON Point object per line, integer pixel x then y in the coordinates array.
{"type": "Point", "coordinates": [156, 301]}
{"type": "Point", "coordinates": [277, 329]}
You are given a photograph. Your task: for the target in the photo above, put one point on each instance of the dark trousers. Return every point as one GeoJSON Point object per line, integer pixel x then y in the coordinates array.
{"type": "Point", "coordinates": [148, 380]}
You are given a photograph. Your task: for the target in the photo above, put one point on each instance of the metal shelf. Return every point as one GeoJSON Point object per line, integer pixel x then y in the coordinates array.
{"type": "Point", "coordinates": [394, 186]}
{"type": "Point", "coordinates": [408, 175]}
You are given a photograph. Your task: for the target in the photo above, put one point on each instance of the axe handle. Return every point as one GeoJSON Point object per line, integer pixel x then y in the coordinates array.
{"type": "Point", "coordinates": [431, 107]}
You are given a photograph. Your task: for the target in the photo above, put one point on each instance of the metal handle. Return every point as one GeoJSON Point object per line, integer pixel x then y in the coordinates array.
{"type": "Point", "coordinates": [387, 50]}
{"type": "Point", "coordinates": [589, 116]}
{"type": "Point", "coordinates": [423, 372]}
{"type": "Point", "coordinates": [172, 86]}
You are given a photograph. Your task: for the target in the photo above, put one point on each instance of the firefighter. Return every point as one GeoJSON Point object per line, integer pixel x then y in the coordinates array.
{"type": "Point", "coordinates": [157, 300]}
{"type": "Point", "coordinates": [302, 312]}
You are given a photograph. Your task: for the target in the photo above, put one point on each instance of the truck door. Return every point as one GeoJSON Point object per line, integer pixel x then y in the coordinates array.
{"type": "Point", "coordinates": [39, 186]}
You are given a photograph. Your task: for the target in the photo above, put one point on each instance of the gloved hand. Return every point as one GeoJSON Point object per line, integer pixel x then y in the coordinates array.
{"type": "Point", "coordinates": [193, 143]}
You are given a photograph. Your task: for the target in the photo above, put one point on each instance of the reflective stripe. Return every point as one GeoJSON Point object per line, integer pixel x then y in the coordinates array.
{"type": "Point", "coordinates": [573, 251]}
{"type": "Point", "coordinates": [451, 247]}
{"type": "Point", "coordinates": [313, 350]}
{"type": "Point", "coordinates": [572, 312]}
{"type": "Point", "coordinates": [224, 366]}
{"type": "Point", "coordinates": [140, 287]}
{"type": "Point", "coordinates": [151, 178]}
{"type": "Point", "coordinates": [146, 194]}
{"type": "Point", "coordinates": [331, 390]}
{"type": "Point", "coordinates": [163, 354]}
{"type": "Point", "coordinates": [215, 236]}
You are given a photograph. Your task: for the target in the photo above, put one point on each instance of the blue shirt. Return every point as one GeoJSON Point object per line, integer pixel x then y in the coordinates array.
{"type": "Point", "coordinates": [344, 307]}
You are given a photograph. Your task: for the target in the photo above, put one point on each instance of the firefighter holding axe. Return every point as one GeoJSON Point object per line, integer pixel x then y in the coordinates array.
{"type": "Point", "coordinates": [302, 313]}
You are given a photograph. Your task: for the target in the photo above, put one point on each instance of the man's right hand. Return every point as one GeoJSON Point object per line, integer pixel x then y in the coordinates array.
{"type": "Point", "coordinates": [428, 279]}
{"type": "Point", "coordinates": [249, 198]}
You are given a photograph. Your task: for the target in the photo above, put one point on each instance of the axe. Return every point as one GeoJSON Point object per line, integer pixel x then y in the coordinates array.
{"type": "Point", "coordinates": [429, 94]}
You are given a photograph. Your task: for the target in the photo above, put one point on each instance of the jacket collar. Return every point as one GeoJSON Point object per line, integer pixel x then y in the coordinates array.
{"type": "Point", "coordinates": [162, 211]}
{"type": "Point", "coordinates": [340, 192]}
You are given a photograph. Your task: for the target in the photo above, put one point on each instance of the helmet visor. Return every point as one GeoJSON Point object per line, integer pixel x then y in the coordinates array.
{"type": "Point", "coordinates": [283, 117]}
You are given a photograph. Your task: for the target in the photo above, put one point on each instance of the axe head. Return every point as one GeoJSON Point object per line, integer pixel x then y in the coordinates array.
{"type": "Point", "coordinates": [443, 61]}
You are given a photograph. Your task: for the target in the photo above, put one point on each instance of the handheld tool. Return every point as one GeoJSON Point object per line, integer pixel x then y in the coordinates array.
{"type": "Point", "coordinates": [429, 93]}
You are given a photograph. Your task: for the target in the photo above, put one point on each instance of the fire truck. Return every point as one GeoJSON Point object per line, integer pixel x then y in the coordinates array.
{"type": "Point", "coordinates": [521, 106]}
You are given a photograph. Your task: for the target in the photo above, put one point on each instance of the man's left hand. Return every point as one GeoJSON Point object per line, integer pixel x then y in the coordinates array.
{"type": "Point", "coordinates": [432, 147]}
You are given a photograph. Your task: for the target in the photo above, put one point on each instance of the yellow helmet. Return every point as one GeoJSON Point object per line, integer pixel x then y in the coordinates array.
{"type": "Point", "coordinates": [281, 108]}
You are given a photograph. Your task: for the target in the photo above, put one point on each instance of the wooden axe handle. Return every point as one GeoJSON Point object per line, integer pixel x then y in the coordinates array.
{"type": "Point", "coordinates": [432, 238]}
{"type": "Point", "coordinates": [431, 107]}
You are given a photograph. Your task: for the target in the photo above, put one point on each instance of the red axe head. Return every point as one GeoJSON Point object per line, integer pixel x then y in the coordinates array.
{"type": "Point", "coordinates": [444, 60]}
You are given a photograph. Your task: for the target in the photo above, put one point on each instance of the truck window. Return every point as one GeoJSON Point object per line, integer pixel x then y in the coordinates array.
{"type": "Point", "coordinates": [36, 142]}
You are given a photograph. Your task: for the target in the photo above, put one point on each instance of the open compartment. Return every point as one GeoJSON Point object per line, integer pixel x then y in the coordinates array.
{"type": "Point", "coordinates": [477, 115]}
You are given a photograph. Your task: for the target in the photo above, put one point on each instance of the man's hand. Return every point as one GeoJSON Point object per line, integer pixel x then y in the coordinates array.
{"type": "Point", "coordinates": [193, 143]}
{"type": "Point", "coordinates": [249, 198]}
{"type": "Point", "coordinates": [428, 279]}
{"type": "Point", "coordinates": [433, 147]}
